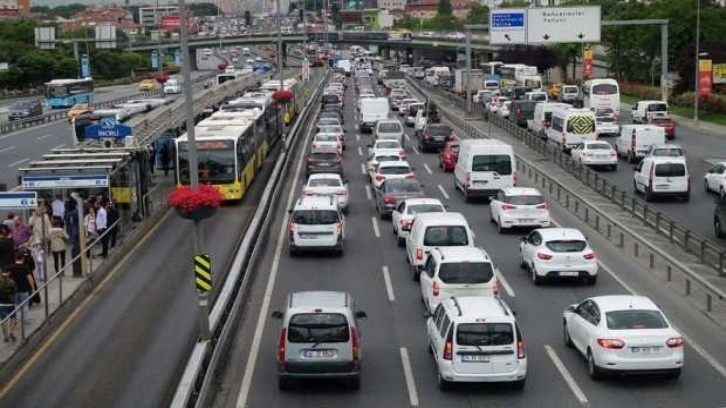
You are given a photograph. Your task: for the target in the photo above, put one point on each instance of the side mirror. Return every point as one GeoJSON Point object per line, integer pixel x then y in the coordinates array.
{"type": "Point", "coordinates": [277, 314]}
{"type": "Point", "coordinates": [426, 314]}
{"type": "Point", "coordinates": [514, 312]}
{"type": "Point", "coordinates": [571, 308]}
{"type": "Point", "coordinates": [361, 315]}
{"type": "Point", "coordinates": [446, 206]}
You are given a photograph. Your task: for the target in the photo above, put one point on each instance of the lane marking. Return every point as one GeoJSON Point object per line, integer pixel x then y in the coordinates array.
{"type": "Point", "coordinates": [389, 284]}
{"type": "Point", "coordinates": [265, 308]}
{"type": "Point", "coordinates": [60, 145]}
{"type": "Point", "coordinates": [567, 376]}
{"type": "Point", "coordinates": [44, 136]}
{"type": "Point", "coordinates": [19, 162]}
{"type": "Point", "coordinates": [428, 169]}
{"type": "Point", "coordinates": [505, 284]}
{"type": "Point", "coordinates": [363, 168]}
{"type": "Point", "coordinates": [72, 317]}
{"type": "Point", "coordinates": [408, 373]}
{"type": "Point", "coordinates": [357, 137]}
{"type": "Point", "coordinates": [369, 194]}
{"type": "Point", "coordinates": [376, 231]}
{"type": "Point", "coordinates": [415, 150]}
{"type": "Point", "coordinates": [7, 149]}
{"type": "Point", "coordinates": [360, 151]}
{"type": "Point", "coordinates": [408, 138]}
{"type": "Point", "coordinates": [443, 192]}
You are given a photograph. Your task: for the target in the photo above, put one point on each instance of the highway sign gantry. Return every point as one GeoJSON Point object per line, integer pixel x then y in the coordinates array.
{"type": "Point", "coordinates": [203, 272]}
{"type": "Point", "coordinates": [508, 26]}
{"type": "Point", "coordinates": [545, 25]}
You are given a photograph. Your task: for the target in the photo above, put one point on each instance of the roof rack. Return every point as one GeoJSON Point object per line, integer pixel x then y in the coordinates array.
{"type": "Point", "coordinates": [504, 306]}
{"type": "Point", "coordinates": [456, 304]}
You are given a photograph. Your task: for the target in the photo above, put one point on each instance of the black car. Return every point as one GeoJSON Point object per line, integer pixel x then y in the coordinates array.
{"type": "Point", "coordinates": [25, 110]}
{"type": "Point", "coordinates": [323, 161]}
{"type": "Point", "coordinates": [719, 218]}
{"type": "Point", "coordinates": [434, 137]}
{"type": "Point", "coordinates": [521, 111]}
{"type": "Point", "coordinates": [332, 99]}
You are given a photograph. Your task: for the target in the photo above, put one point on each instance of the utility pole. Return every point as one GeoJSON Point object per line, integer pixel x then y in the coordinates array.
{"type": "Point", "coordinates": [696, 95]}
{"type": "Point", "coordinates": [193, 161]}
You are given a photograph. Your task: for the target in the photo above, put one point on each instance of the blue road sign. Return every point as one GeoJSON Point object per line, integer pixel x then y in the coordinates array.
{"type": "Point", "coordinates": [507, 20]}
{"type": "Point", "coordinates": [84, 181]}
{"type": "Point", "coordinates": [85, 66]}
{"type": "Point", "coordinates": [177, 57]}
{"type": "Point", "coordinates": [154, 60]}
{"type": "Point", "coordinates": [108, 127]}
{"type": "Point", "coordinates": [26, 200]}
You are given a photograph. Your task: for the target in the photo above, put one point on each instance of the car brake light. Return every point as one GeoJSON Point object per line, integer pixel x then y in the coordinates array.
{"type": "Point", "coordinates": [520, 350]}
{"type": "Point", "coordinates": [419, 254]}
{"type": "Point", "coordinates": [355, 345]}
{"type": "Point", "coordinates": [544, 206]}
{"type": "Point", "coordinates": [291, 228]}
{"type": "Point", "coordinates": [468, 179]}
{"type": "Point", "coordinates": [406, 225]}
{"type": "Point", "coordinates": [589, 256]}
{"type": "Point", "coordinates": [496, 287]}
{"type": "Point", "coordinates": [341, 193]}
{"type": "Point", "coordinates": [411, 176]}
{"type": "Point", "coordinates": [448, 348]}
{"type": "Point", "coordinates": [308, 192]}
{"type": "Point", "coordinates": [310, 160]}
{"type": "Point", "coordinates": [611, 344]}
{"type": "Point", "coordinates": [426, 136]}
{"type": "Point", "coordinates": [389, 200]}
{"type": "Point", "coordinates": [380, 177]}
{"type": "Point", "coordinates": [507, 207]}
{"type": "Point", "coordinates": [339, 227]}
{"type": "Point", "coordinates": [281, 350]}
{"type": "Point", "coordinates": [435, 289]}
{"type": "Point", "coordinates": [543, 256]}
{"type": "Point", "coordinates": [675, 342]}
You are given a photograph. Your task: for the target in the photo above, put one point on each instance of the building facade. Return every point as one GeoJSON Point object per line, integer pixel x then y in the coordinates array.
{"type": "Point", "coordinates": [150, 17]}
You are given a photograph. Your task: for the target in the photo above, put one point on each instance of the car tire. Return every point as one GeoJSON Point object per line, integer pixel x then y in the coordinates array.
{"type": "Point", "coordinates": [592, 280]}
{"type": "Point", "coordinates": [415, 274]}
{"type": "Point", "coordinates": [500, 229]}
{"type": "Point", "coordinates": [401, 241]}
{"type": "Point", "coordinates": [354, 383]}
{"type": "Point", "coordinates": [718, 228]}
{"type": "Point", "coordinates": [674, 374]}
{"type": "Point", "coordinates": [593, 370]}
{"type": "Point", "coordinates": [283, 384]}
{"type": "Point", "coordinates": [442, 383]}
{"type": "Point", "coordinates": [293, 251]}
{"type": "Point", "coordinates": [566, 336]}
{"type": "Point", "coordinates": [536, 279]}
{"type": "Point", "coordinates": [519, 385]}
{"type": "Point", "coordinates": [705, 186]}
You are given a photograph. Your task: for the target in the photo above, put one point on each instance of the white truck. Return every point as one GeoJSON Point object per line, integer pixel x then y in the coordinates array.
{"type": "Point", "coordinates": [476, 80]}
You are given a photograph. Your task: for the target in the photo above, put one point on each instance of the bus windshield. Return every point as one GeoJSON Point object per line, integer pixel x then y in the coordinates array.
{"type": "Point", "coordinates": [216, 162]}
{"type": "Point", "coordinates": [59, 89]}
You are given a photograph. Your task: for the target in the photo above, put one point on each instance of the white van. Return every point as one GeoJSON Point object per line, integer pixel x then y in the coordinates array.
{"type": "Point", "coordinates": [172, 86]}
{"type": "Point", "coordinates": [371, 111]}
{"type": "Point", "coordinates": [491, 85]}
{"type": "Point", "coordinates": [485, 166]}
{"type": "Point", "coordinates": [431, 230]}
{"type": "Point", "coordinates": [662, 176]}
{"type": "Point", "coordinates": [643, 111]}
{"type": "Point", "coordinates": [389, 129]}
{"type": "Point", "coordinates": [570, 127]}
{"type": "Point", "coordinates": [634, 141]}
{"type": "Point", "coordinates": [542, 117]}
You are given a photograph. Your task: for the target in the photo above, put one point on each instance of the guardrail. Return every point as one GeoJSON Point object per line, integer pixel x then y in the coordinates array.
{"type": "Point", "coordinates": [623, 236]}
{"type": "Point", "coordinates": [193, 386]}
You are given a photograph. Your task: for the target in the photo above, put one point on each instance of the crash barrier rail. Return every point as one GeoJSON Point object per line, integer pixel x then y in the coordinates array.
{"type": "Point", "coordinates": [193, 387]}
{"type": "Point", "coordinates": [602, 222]}
{"type": "Point", "coordinates": [710, 253]}
{"type": "Point", "coordinates": [58, 115]}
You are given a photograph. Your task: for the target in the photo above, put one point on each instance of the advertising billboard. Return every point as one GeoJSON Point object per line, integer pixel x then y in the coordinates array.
{"type": "Point", "coordinates": [170, 22]}
{"type": "Point", "coordinates": [9, 8]}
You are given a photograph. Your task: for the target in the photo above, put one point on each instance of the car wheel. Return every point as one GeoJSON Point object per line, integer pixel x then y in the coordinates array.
{"type": "Point", "coordinates": [283, 384]}
{"type": "Point", "coordinates": [718, 228]}
{"type": "Point", "coordinates": [415, 274]}
{"type": "Point", "coordinates": [442, 383]}
{"type": "Point", "coordinates": [705, 186]}
{"type": "Point", "coordinates": [500, 229]}
{"type": "Point", "coordinates": [536, 279]}
{"type": "Point", "coordinates": [674, 374]}
{"type": "Point", "coordinates": [519, 385]}
{"type": "Point", "coordinates": [593, 370]}
{"type": "Point", "coordinates": [401, 242]}
{"type": "Point", "coordinates": [354, 383]}
{"type": "Point", "coordinates": [647, 196]}
{"type": "Point", "coordinates": [566, 336]}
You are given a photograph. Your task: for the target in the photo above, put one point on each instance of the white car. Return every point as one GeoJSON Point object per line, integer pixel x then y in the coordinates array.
{"type": "Point", "coordinates": [665, 150]}
{"type": "Point", "coordinates": [558, 253]}
{"type": "Point", "coordinates": [402, 217]}
{"type": "Point", "coordinates": [715, 179]}
{"type": "Point", "coordinates": [328, 140]}
{"type": "Point", "coordinates": [335, 129]}
{"type": "Point", "coordinates": [389, 170]}
{"type": "Point", "coordinates": [328, 184]}
{"type": "Point", "coordinates": [495, 103]}
{"type": "Point", "coordinates": [606, 125]}
{"type": "Point", "coordinates": [386, 144]}
{"type": "Point", "coordinates": [519, 207]}
{"type": "Point", "coordinates": [403, 106]}
{"type": "Point", "coordinates": [504, 110]}
{"type": "Point", "coordinates": [621, 334]}
{"type": "Point", "coordinates": [595, 153]}
{"type": "Point", "coordinates": [379, 156]}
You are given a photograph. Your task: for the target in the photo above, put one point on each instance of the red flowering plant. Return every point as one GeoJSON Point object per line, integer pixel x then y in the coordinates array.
{"type": "Point", "coordinates": [283, 96]}
{"type": "Point", "coordinates": [187, 200]}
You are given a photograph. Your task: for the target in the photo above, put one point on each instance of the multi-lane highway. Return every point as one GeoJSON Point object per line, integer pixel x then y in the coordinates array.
{"type": "Point", "coordinates": [398, 371]}
{"type": "Point", "coordinates": [19, 148]}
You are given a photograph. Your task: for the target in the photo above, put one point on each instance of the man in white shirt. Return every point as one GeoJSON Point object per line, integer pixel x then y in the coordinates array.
{"type": "Point", "coordinates": [101, 226]}
{"type": "Point", "coordinates": [58, 207]}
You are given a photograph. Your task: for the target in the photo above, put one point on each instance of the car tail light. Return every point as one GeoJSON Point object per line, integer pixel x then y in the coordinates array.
{"type": "Point", "coordinates": [497, 286]}
{"type": "Point", "coordinates": [426, 136]}
{"type": "Point", "coordinates": [543, 256]}
{"type": "Point", "coordinates": [611, 344]}
{"type": "Point", "coordinates": [380, 177]}
{"type": "Point", "coordinates": [291, 228]}
{"type": "Point", "coordinates": [355, 345]}
{"type": "Point", "coordinates": [310, 160]}
{"type": "Point", "coordinates": [411, 176]}
{"type": "Point", "coordinates": [341, 193]}
{"type": "Point", "coordinates": [545, 206]}
{"type": "Point", "coordinates": [406, 225]}
{"type": "Point", "coordinates": [448, 347]}
{"type": "Point", "coordinates": [451, 137]}
{"type": "Point", "coordinates": [520, 350]}
{"type": "Point", "coordinates": [435, 289]}
{"type": "Point", "coordinates": [339, 227]}
{"type": "Point", "coordinates": [632, 142]}
{"type": "Point", "coordinates": [589, 256]}
{"type": "Point", "coordinates": [675, 342]}
{"type": "Point", "coordinates": [308, 192]}
{"type": "Point", "coordinates": [447, 156]}
{"type": "Point", "coordinates": [281, 350]}
{"type": "Point", "coordinates": [389, 200]}
{"type": "Point", "coordinates": [419, 254]}
{"type": "Point", "coordinates": [507, 207]}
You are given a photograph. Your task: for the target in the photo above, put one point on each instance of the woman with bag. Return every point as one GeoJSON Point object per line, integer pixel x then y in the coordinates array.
{"type": "Point", "coordinates": [58, 239]}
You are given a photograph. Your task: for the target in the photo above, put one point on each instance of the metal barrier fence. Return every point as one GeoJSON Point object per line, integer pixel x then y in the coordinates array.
{"type": "Point", "coordinates": [711, 253]}
{"type": "Point", "coordinates": [623, 236]}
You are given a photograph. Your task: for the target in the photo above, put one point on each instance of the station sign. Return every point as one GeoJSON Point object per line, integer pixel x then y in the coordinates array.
{"type": "Point", "coordinates": [20, 200]}
{"type": "Point", "coordinates": [107, 128]}
{"type": "Point", "coordinates": [67, 181]}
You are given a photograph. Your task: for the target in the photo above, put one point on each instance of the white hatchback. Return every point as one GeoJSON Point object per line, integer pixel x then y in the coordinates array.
{"type": "Point", "coordinates": [595, 154]}
{"type": "Point", "coordinates": [558, 253]}
{"type": "Point", "coordinates": [389, 170]}
{"type": "Point", "coordinates": [519, 207]}
{"type": "Point", "coordinates": [622, 334]}
{"type": "Point", "coordinates": [328, 140]}
{"type": "Point", "coordinates": [328, 184]}
{"type": "Point", "coordinates": [402, 217]}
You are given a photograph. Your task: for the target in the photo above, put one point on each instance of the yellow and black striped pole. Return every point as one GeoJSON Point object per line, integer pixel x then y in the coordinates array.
{"type": "Point", "coordinates": [203, 272]}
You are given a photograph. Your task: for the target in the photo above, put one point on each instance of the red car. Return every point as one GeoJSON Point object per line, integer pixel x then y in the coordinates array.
{"type": "Point", "coordinates": [668, 124]}
{"type": "Point", "coordinates": [449, 156]}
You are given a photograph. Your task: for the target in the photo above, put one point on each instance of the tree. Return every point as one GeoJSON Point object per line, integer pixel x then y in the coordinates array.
{"type": "Point", "coordinates": [445, 9]}
{"type": "Point", "coordinates": [477, 15]}
{"type": "Point", "coordinates": [68, 10]}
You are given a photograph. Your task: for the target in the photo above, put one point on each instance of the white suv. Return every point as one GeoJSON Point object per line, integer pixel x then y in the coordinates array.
{"type": "Point", "coordinates": [476, 339]}
{"type": "Point", "coordinates": [316, 223]}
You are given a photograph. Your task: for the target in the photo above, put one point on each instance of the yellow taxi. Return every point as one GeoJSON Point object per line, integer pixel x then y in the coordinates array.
{"type": "Point", "coordinates": [147, 85]}
{"type": "Point", "coordinates": [79, 109]}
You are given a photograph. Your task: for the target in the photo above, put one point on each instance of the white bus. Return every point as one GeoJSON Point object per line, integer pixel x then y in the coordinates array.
{"type": "Point", "coordinates": [523, 75]}
{"type": "Point", "coordinates": [602, 93]}
{"type": "Point", "coordinates": [492, 69]}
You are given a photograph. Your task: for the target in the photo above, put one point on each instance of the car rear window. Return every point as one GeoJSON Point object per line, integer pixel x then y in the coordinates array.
{"type": "Point", "coordinates": [402, 186]}
{"type": "Point", "coordinates": [324, 182]}
{"type": "Point", "coordinates": [326, 137]}
{"type": "Point", "coordinates": [524, 199]}
{"type": "Point", "coordinates": [388, 144]}
{"type": "Point", "coordinates": [449, 235]}
{"type": "Point", "coordinates": [499, 163]}
{"type": "Point", "coordinates": [657, 107]}
{"type": "Point", "coordinates": [324, 156]}
{"type": "Point", "coordinates": [424, 208]}
{"type": "Point", "coordinates": [598, 146]}
{"type": "Point", "coordinates": [439, 130]}
{"type": "Point", "coordinates": [466, 272]}
{"type": "Point", "coordinates": [318, 328]}
{"type": "Point", "coordinates": [670, 152]}
{"type": "Point", "coordinates": [566, 246]}
{"type": "Point", "coordinates": [331, 129]}
{"type": "Point", "coordinates": [633, 319]}
{"type": "Point", "coordinates": [331, 99]}
{"type": "Point", "coordinates": [387, 158]}
{"type": "Point", "coordinates": [390, 127]}
{"type": "Point", "coordinates": [315, 217]}
{"type": "Point", "coordinates": [484, 334]}
{"type": "Point", "coordinates": [395, 170]}
{"type": "Point", "coordinates": [605, 119]}
{"type": "Point", "coordinates": [670, 170]}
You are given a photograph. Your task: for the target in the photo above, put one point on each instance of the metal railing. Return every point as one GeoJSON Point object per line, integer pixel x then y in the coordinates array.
{"type": "Point", "coordinates": [616, 232]}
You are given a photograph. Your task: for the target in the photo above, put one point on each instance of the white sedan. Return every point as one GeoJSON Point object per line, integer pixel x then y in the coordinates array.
{"type": "Point", "coordinates": [328, 140]}
{"type": "Point", "coordinates": [715, 179]}
{"type": "Point", "coordinates": [380, 156]}
{"type": "Point", "coordinates": [505, 110]}
{"type": "Point", "coordinates": [402, 217]}
{"type": "Point", "coordinates": [386, 144]}
{"type": "Point", "coordinates": [595, 153]}
{"type": "Point", "coordinates": [389, 170]}
{"type": "Point", "coordinates": [495, 103]}
{"type": "Point", "coordinates": [622, 334]}
{"type": "Point", "coordinates": [558, 253]}
{"type": "Point", "coordinates": [519, 207]}
{"type": "Point", "coordinates": [328, 184]}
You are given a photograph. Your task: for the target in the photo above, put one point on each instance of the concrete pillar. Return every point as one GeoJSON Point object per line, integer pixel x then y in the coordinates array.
{"type": "Point", "coordinates": [386, 53]}
{"type": "Point", "coordinates": [284, 54]}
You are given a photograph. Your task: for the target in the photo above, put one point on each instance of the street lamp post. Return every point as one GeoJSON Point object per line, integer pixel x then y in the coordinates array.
{"type": "Point", "coordinates": [698, 57]}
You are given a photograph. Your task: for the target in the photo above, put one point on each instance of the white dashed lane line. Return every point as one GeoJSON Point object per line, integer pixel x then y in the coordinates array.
{"type": "Point", "coordinates": [376, 230]}
{"type": "Point", "coordinates": [428, 169]}
{"type": "Point", "coordinates": [443, 192]}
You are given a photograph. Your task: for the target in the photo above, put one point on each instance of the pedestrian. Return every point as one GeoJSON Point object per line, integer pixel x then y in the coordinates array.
{"type": "Point", "coordinates": [69, 211]}
{"type": "Point", "coordinates": [152, 157]}
{"type": "Point", "coordinates": [112, 218]}
{"type": "Point", "coordinates": [58, 239]}
{"type": "Point", "coordinates": [24, 283]}
{"type": "Point", "coordinates": [89, 223]}
{"type": "Point", "coordinates": [21, 232]}
{"type": "Point", "coordinates": [8, 290]}
{"type": "Point", "coordinates": [165, 158]}
{"type": "Point", "coordinates": [40, 226]}
{"type": "Point", "coordinates": [9, 221]}
{"type": "Point", "coordinates": [7, 249]}
{"type": "Point", "coordinates": [58, 208]}
{"type": "Point", "coordinates": [101, 226]}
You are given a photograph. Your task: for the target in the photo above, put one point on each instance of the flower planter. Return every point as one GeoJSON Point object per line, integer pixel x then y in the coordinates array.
{"type": "Point", "coordinates": [197, 214]}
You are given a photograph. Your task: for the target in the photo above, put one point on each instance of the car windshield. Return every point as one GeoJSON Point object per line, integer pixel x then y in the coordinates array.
{"type": "Point", "coordinates": [657, 107]}
{"type": "Point", "coordinates": [315, 217]}
{"type": "Point", "coordinates": [318, 328]}
{"type": "Point", "coordinates": [425, 208]}
{"type": "Point", "coordinates": [605, 119]}
{"type": "Point", "coordinates": [634, 319]}
{"type": "Point", "coordinates": [524, 199]}
{"type": "Point", "coordinates": [331, 98]}
{"type": "Point", "coordinates": [331, 129]}
{"type": "Point", "coordinates": [439, 130]}
{"type": "Point", "coordinates": [670, 170]}
{"type": "Point", "coordinates": [324, 182]}
{"type": "Point", "coordinates": [324, 156]}
{"type": "Point", "coordinates": [484, 334]}
{"type": "Point", "coordinates": [394, 170]}
{"type": "Point", "coordinates": [388, 144]}
{"type": "Point", "coordinates": [466, 272]}
{"type": "Point", "coordinates": [539, 97]}
{"type": "Point", "coordinates": [389, 127]}
{"type": "Point", "coordinates": [598, 146]}
{"type": "Point", "coordinates": [668, 152]}
{"type": "Point", "coordinates": [446, 235]}
{"type": "Point", "coordinates": [566, 246]}
{"type": "Point", "coordinates": [498, 163]}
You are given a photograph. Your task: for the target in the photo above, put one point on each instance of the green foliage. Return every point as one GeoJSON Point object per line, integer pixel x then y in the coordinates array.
{"type": "Point", "coordinates": [68, 10]}
{"type": "Point", "coordinates": [445, 9]}
{"type": "Point", "coordinates": [438, 23]}
{"type": "Point", "coordinates": [516, 4]}
{"type": "Point", "coordinates": [478, 14]}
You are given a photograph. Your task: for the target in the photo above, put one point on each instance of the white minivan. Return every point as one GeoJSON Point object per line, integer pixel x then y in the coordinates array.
{"type": "Point", "coordinates": [571, 127]}
{"type": "Point", "coordinates": [371, 111]}
{"type": "Point", "coordinates": [389, 129]}
{"type": "Point", "coordinates": [542, 117]}
{"type": "Point", "coordinates": [431, 230]}
{"type": "Point", "coordinates": [485, 167]}
{"type": "Point", "coordinates": [662, 176]}
{"type": "Point", "coordinates": [634, 141]}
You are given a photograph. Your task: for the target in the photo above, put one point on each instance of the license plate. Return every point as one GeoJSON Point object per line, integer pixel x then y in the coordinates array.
{"type": "Point", "coordinates": [324, 164]}
{"type": "Point", "coordinates": [526, 220]}
{"type": "Point", "coordinates": [569, 273]}
{"type": "Point", "coordinates": [602, 156]}
{"type": "Point", "coordinates": [645, 350]}
{"type": "Point", "coordinates": [474, 359]}
{"type": "Point", "coordinates": [308, 236]}
{"type": "Point", "coordinates": [319, 353]}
